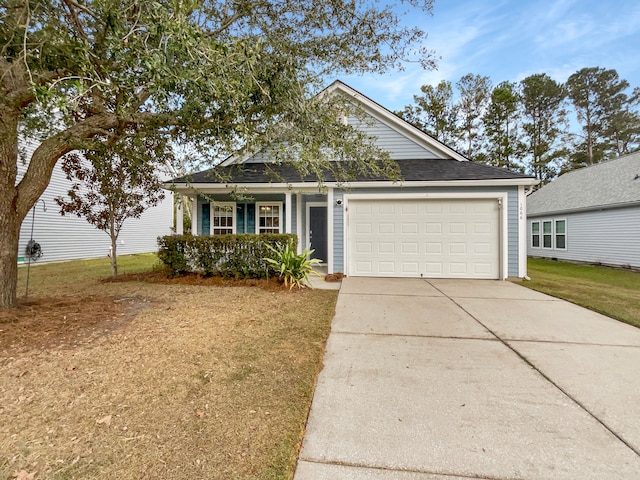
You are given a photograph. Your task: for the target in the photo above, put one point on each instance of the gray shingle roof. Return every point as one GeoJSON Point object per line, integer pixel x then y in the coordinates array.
{"type": "Point", "coordinates": [410, 170]}
{"type": "Point", "coordinates": [605, 185]}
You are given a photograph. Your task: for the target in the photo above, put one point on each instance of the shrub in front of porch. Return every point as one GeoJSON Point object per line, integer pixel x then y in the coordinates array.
{"type": "Point", "coordinates": [235, 256]}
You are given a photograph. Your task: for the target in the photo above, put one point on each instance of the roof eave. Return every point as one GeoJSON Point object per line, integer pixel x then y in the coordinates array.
{"type": "Point", "coordinates": [591, 208]}
{"type": "Point", "coordinates": [189, 187]}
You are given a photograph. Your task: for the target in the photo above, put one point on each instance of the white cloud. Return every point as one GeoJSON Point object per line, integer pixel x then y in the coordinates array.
{"type": "Point", "coordinates": [509, 40]}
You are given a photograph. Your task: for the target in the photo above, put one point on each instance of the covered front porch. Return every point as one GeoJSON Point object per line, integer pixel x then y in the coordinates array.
{"type": "Point", "coordinates": [303, 213]}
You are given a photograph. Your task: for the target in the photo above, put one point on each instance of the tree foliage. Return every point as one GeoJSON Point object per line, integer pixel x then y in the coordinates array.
{"type": "Point", "coordinates": [475, 95]}
{"type": "Point", "coordinates": [502, 126]}
{"type": "Point", "coordinates": [113, 183]}
{"type": "Point", "coordinates": [545, 122]}
{"type": "Point", "coordinates": [602, 107]}
{"type": "Point", "coordinates": [215, 74]}
{"type": "Point", "coordinates": [526, 125]}
{"type": "Point", "coordinates": [434, 112]}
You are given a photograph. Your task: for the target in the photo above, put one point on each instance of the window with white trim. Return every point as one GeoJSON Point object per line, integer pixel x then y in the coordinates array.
{"type": "Point", "coordinates": [223, 219]}
{"type": "Point", "coordinates": [535, 234]}
{"type": "Point", "coordinates": [550, 234]}
{"type": "Point", "coordinates": [269, 217]}
{"type": "Point", "coordinates": [547, 235]}
{"type": "Point", "coordinates": [560, 234]}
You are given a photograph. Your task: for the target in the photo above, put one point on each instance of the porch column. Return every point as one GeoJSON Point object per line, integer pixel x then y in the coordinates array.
{"type": "Point", "coordinates": [330, 208]}
{"type": "Point", "coordinates": [287, 212]}
{"type": "Point", "coordinates": [194, 215]}
{"type": "Point", "coordinates": [299, 229]}
{"type": "Point", "coordinates": [180, 215]}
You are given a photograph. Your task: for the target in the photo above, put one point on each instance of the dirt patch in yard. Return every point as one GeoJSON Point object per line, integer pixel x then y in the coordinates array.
{"type": "Point", "coordinates": [180, 378]}
{"type": "Point", "coordinates": [69, 320]}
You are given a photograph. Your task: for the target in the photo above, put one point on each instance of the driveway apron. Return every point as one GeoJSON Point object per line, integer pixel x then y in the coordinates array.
{"type": "Point", "coordinates": [457, 379]}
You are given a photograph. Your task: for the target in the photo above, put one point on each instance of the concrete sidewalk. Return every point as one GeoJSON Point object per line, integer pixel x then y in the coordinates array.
{"type": "Point", "coordinates": [446, 379]}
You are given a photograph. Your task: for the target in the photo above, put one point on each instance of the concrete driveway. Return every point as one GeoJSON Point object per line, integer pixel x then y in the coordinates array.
{"type": "Point", "coordinates": [448, 379]}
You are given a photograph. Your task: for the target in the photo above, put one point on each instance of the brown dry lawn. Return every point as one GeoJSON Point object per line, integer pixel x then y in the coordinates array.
{"type": "Point", "coordinates": [155, 378]}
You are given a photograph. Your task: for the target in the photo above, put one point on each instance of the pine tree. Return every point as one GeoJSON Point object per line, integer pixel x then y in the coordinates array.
{"type": "Point", "coordinates": [475, 96]}
{"type": "Point", "coordinates": [545, 123]}
{"type": "Point", "coordinates": [504, 147]}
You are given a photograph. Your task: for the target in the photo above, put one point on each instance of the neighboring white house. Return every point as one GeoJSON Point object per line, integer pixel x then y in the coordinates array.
{"type": "Point", "coordinates": [70, 237]}
{"type": "Point", "coordinates": [589, 215]}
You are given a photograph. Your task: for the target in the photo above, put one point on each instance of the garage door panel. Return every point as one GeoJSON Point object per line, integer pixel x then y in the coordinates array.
{"type": "Point", "coordinates": [364, 267]}
{"type": "Point", "coordinates": [406, 209]}
{"type": "Point", "coordinates": [410, 268]}
{"type": "Point", "coordinates": [457, 248]}
{"type": "Point", "coordinates": [363, 228]}
{"type": "Point", "coordinates": [410, 228]}
{"type": "Point", "coordinates": [386, 228]}
{"type": "Point", "coordinates": [458, 228]}
{"type": "Point", "coordinates": [385, 247]}
{"type": "Point", "coordinates": [410, 248]}
{"type": "Point", "coordinates": [432, 238]}
{"type": "Point", "coordinates": [363, 247]}
{"type": "Point", "coordinates": [434, 248]}
{"type": "Point", "coordinates": [433, 268]}
{"type": "Point", "coordinates": [482, 228]}
{"type": "Point", "coordinates": [386, 267]}
{"type": "Point", "coordinates": [458, 268]}
{"type": "Point", "coordinates": [482, 248]}
{"type": "Point", "coordinates": [482, 268]}
{"type": "Point", "coordinates": [434, 228]}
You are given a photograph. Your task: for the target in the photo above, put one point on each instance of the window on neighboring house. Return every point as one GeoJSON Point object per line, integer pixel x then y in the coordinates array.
{"type": "Point", "coordinates": [223, 218]}
{"type": "Point", "coordinates": [269, 217]}
{"type": "Point", "coordinates": [547, 237]}
{"type": "Point", "coordinates": [535, 234]}
{"type": "Point", "coordinates": [561, 234]}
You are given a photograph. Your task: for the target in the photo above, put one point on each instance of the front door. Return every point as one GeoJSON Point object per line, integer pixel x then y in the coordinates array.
{"type": "Point", "coordinates": [318, 232]}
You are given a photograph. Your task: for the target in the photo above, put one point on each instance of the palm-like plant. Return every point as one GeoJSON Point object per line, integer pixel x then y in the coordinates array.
{"type": "Point", "coordinates": [292, 267]}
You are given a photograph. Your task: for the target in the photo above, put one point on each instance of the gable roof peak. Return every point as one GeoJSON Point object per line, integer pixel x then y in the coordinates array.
{"type": "Point", "coordinates": [394, 121]}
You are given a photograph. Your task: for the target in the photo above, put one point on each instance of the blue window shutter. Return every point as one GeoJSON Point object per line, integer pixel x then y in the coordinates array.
{"type": "Point", "coordinates": [240, 219]}
{"type": "Point", "coordinates": [205, 225]}
{"type": "Point", "coordinates": [251, 218]}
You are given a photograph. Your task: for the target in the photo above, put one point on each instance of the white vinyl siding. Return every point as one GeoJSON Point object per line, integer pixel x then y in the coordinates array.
{"type": "Point", "coordinates": [70, 237]}
{"type": "Point", "coordinates": [610, 237]}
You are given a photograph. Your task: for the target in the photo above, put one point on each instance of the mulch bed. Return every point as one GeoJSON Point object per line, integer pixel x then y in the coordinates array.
{"type": "Point", "coordinates": [272, 284]}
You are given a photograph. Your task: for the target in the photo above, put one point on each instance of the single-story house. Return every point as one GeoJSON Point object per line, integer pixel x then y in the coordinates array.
{"type": "Point", "coordinates": [70, 237]}
{"type": "Point", "coordinates": [589, 215]}
{"type": "Point", "coordinates": [447, 218]}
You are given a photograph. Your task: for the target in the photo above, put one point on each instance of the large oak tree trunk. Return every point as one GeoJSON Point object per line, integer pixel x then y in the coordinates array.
{"type": "Point", "coordinates": [17, 200]}
{"type": "Point", "coordinates": [9, 218]}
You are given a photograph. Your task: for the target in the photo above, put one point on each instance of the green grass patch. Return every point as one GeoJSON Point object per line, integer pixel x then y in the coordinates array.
{"type": "Point", "coordinates": [48, 278]}
{"type": "Point", "coordinates": [612, 292]}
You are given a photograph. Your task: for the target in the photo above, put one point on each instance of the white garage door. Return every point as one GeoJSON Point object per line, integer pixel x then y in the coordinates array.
{"type": "Point", "coordinates": [429, 238]}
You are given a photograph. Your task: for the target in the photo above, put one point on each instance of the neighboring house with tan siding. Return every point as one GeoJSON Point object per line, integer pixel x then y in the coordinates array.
{"type": "Point", "coordinates": [589, 215]}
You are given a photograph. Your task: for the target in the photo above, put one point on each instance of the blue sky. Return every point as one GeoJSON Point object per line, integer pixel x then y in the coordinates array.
{"type": "Point", "coordinates": [511, 39]}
